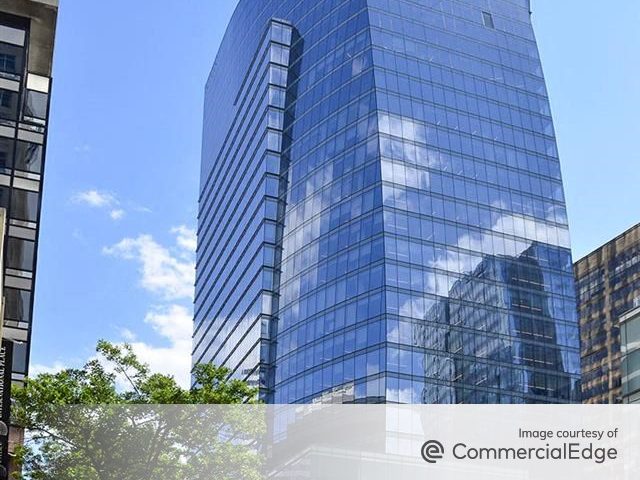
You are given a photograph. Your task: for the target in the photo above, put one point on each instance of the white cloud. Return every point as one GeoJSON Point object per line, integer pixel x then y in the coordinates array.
{"type": "Point", "coordinates": [116, 214]}
{"type": "Point", "coordinates": [83, 148]}
{"type": "Point", "coordinates": [128, 335]}
{"type": "Point", "coordinates": [95, 198]}
{"type": "Point", "coordinates": [186, 238]}
{"type": "Point", "coordinates": [77, 234]}
{"type": "Point", "coordinates": [532, 230]}
{"type": "Point", "coordinates": [102, 200]}
{"type": "Point", "coordinates": [141, 209]}
{"type": "Point", "coordinates": [174, 323]}
{"type": "Point", "coordinates": [169, 275]}
{"type": "Point", "coordinates": [37, 369]}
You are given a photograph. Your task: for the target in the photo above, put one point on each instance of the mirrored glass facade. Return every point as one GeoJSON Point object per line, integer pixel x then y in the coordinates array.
{"type": "Point", "coordinates": [382, 216]}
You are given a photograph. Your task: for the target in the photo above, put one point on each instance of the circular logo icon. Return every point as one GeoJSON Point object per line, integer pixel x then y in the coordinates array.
{"type": "Point", "coordinates": [432, 451]}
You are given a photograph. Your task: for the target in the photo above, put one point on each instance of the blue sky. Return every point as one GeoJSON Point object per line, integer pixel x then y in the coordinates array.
{"type": "Point", "coordinates": [124, 145]}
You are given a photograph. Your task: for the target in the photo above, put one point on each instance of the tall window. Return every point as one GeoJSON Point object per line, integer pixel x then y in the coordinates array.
{"type": "Point", "coordinates": [488, 20]}
{"type": "Point", "coordinates": [7, 62]}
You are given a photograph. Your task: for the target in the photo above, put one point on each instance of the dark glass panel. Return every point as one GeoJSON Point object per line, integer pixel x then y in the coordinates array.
{"type": "Point", "coordinates": [6, 152]}
{"type": "Point", "coordinates": [36, 104]}
{"type": "Point", "coordinates": [8, 104]}
{"type": "Point", "coordinates": [24, 205]}
{"type": "Point", "coordinates": [11, 59]}
{"type": "Point", "coordinates": [29, 157]}
{"type": "Point", "coordinates": [20, 254]}
{"type": "Point", "coordinates": [17, 304]}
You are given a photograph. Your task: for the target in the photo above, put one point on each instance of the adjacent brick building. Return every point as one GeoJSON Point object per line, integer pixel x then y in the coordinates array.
{"type": "Point", "coordinates": [608, 285]}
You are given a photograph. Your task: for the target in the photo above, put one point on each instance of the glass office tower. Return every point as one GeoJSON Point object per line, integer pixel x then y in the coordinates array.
{"type": "Point", "coordinates": [382, 216]}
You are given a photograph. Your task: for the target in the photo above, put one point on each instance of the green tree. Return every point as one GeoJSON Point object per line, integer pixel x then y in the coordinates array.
{"type": "Point", "coordinates": [82, 425]}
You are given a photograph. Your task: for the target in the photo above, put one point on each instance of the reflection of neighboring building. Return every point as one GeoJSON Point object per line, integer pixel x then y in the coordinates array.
{"type": "Point", "coordinates": [607, 283]}
{"type": "Point", "coordinates": [630, 348]}
{"type": "Point", "coordinates": [506, 341]}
